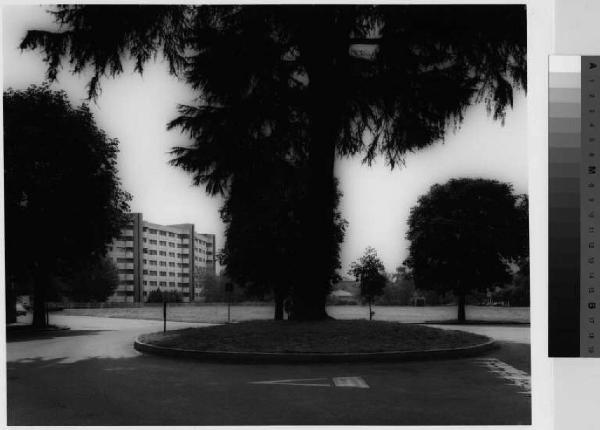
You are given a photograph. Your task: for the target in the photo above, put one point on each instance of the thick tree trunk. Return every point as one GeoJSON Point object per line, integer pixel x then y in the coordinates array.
{"type": "Point", "coordinates": [461, 307]}
{"type": "Point", "coordinates": [327, 63]}
{"type": "Point", "coordinates": [40, 281]}
{"type": "Point", "coordinates": [318, 228]}
{"type": "Point", "coordinates": [279, 298]}
{"type": "Point", "coordinates": [11, 304]}
{"type": "Point", "coordinates": [324, 68]}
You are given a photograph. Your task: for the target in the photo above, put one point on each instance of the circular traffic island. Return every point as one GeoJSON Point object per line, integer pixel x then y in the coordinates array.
{"type": "Point", "coordinates": [323, 341]}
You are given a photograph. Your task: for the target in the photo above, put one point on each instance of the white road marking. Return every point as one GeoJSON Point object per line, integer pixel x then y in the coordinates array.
{"type": "Point", "coordinates": [342, 382]}
{"type": "Point", "coordinates": [350, 381]}
{"type": "Point", "coordinates": [506, 371]}
{"type": "Point", "coordinates": [295, 382]}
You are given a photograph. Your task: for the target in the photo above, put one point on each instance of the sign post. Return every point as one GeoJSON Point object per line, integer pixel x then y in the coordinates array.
{"type": "Point", "coordinates": [229, 290]}
{"type": "Point", "coordinates": [165, 316]}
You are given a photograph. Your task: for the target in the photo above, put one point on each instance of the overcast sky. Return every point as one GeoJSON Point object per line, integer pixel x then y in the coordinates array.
{"type": "Point", "coordinates": [135, 109]}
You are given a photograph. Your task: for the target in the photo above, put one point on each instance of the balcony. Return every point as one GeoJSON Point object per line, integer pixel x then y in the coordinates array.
{"type": "Point", "coordinates": [126, 277]}
{"type": "Point", "coordinates": [125, 265]}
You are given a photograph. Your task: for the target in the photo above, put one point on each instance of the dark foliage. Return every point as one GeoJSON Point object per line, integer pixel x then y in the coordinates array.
{"type": "Point", "coordinates": [399, 291]}
{"type": "Point", "coordinates": [354, 79]}
{"type": "Point", "coordinates": [63, 199]}
{"type": "Point", "coordinates": [518, 294]}
{"type": "Point", "coordinates": [263, 232]}
{"type": "Point", "coordinates": [94, 283]}
{"type": "Point", "coordinates": [158, 296]}
{"type": "Point", "coordinates": [464, 234]}
{"type": "Point", "coordinates": [214, 288]}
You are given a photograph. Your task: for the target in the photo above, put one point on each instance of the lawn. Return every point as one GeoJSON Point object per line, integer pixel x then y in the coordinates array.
{"type": "Point", "coordinates": [217, 313]}
{"type": "Point", "coordinates": [321, 337]}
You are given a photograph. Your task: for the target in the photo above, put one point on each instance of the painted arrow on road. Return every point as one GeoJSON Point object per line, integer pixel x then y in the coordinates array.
{"type": "Point", "coordinates": [302, 382]}
{"type": "Point", "coordinates": [340, 382]}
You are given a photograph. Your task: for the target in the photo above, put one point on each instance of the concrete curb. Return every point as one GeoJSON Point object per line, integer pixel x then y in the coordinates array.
{"type": "Point", "coordinates": [315, 357]}
{"type": "Point", "coordinates": [478, 323]}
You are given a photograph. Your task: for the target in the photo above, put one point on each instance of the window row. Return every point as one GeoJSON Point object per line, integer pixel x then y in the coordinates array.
{"type": "Point", "coordinates": [164, 273]}
{"type": "Point", "coordinates": [164, 284]}
{"type": "Point", "coordinates": [203, 242]}
{"type": "Point", "coordinates": [165, 243]}
{"type": "Point", "coordinates": [159, 232]}
{"type": "Point", "coordinates": [124, 260]}
{"type": "Point", "coordinates": [121, 249]}
{"type": "Point", "coordinates": [165, 263]}
{"type": "Point", "coordinates": [127, 282]}
{"type": "Point", "coordinates": [166, 233]}
{"type": "Point", "coordinates": [125, 271]}
{"type": "Point", "coordinates": [163, 253]}
{"type": "Point", "coordinates": [123, 293]}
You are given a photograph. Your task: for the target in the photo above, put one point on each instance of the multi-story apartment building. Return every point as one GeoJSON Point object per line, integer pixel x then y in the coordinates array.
{"type": "Point", "coordinates": [150, 256]}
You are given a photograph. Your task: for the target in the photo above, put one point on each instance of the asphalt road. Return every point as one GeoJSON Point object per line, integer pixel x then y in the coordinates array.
{"type": "Point", "coordinates": [91, 375]}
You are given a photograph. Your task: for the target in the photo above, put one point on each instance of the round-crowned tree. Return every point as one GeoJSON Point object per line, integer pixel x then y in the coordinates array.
{"type": "Point", "coordinates": [63, 199]}
{"type": "Point", "coordinates": [464, 235]}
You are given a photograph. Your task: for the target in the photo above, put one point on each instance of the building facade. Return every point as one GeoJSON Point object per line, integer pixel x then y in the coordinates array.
{"type": "Point", "coordinates": [151, 256]}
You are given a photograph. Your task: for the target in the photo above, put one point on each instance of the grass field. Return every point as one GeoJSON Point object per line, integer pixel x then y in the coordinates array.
{"type": "Point", "coordinates": [323, 337]}
{"type": "Point", "coordinates": [217, 313]}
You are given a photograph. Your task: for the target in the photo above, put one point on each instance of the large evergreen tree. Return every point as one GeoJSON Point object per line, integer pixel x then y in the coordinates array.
{"type": "Point", "coordinates": [263, 234]}
{"type": "Point", "coordinates": [356, 79]}
{"type": "Point", "coordinates": [63, 199]}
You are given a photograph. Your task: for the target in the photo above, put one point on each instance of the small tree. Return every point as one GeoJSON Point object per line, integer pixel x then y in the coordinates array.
{"type": "Point", "coordinates": [155, 296]}
{"type": "Point", "coordinates": [464, 235]}
{"type": "Point", "coordinates": [370, 272]}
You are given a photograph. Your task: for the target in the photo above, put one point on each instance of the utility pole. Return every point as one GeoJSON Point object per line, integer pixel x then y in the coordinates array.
{"type": "Point", "coordinates": [164, 316]}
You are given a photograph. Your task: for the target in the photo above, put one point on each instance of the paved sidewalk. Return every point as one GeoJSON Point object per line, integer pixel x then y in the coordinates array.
{"type": "Point", "coordinates": [89, 337]}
